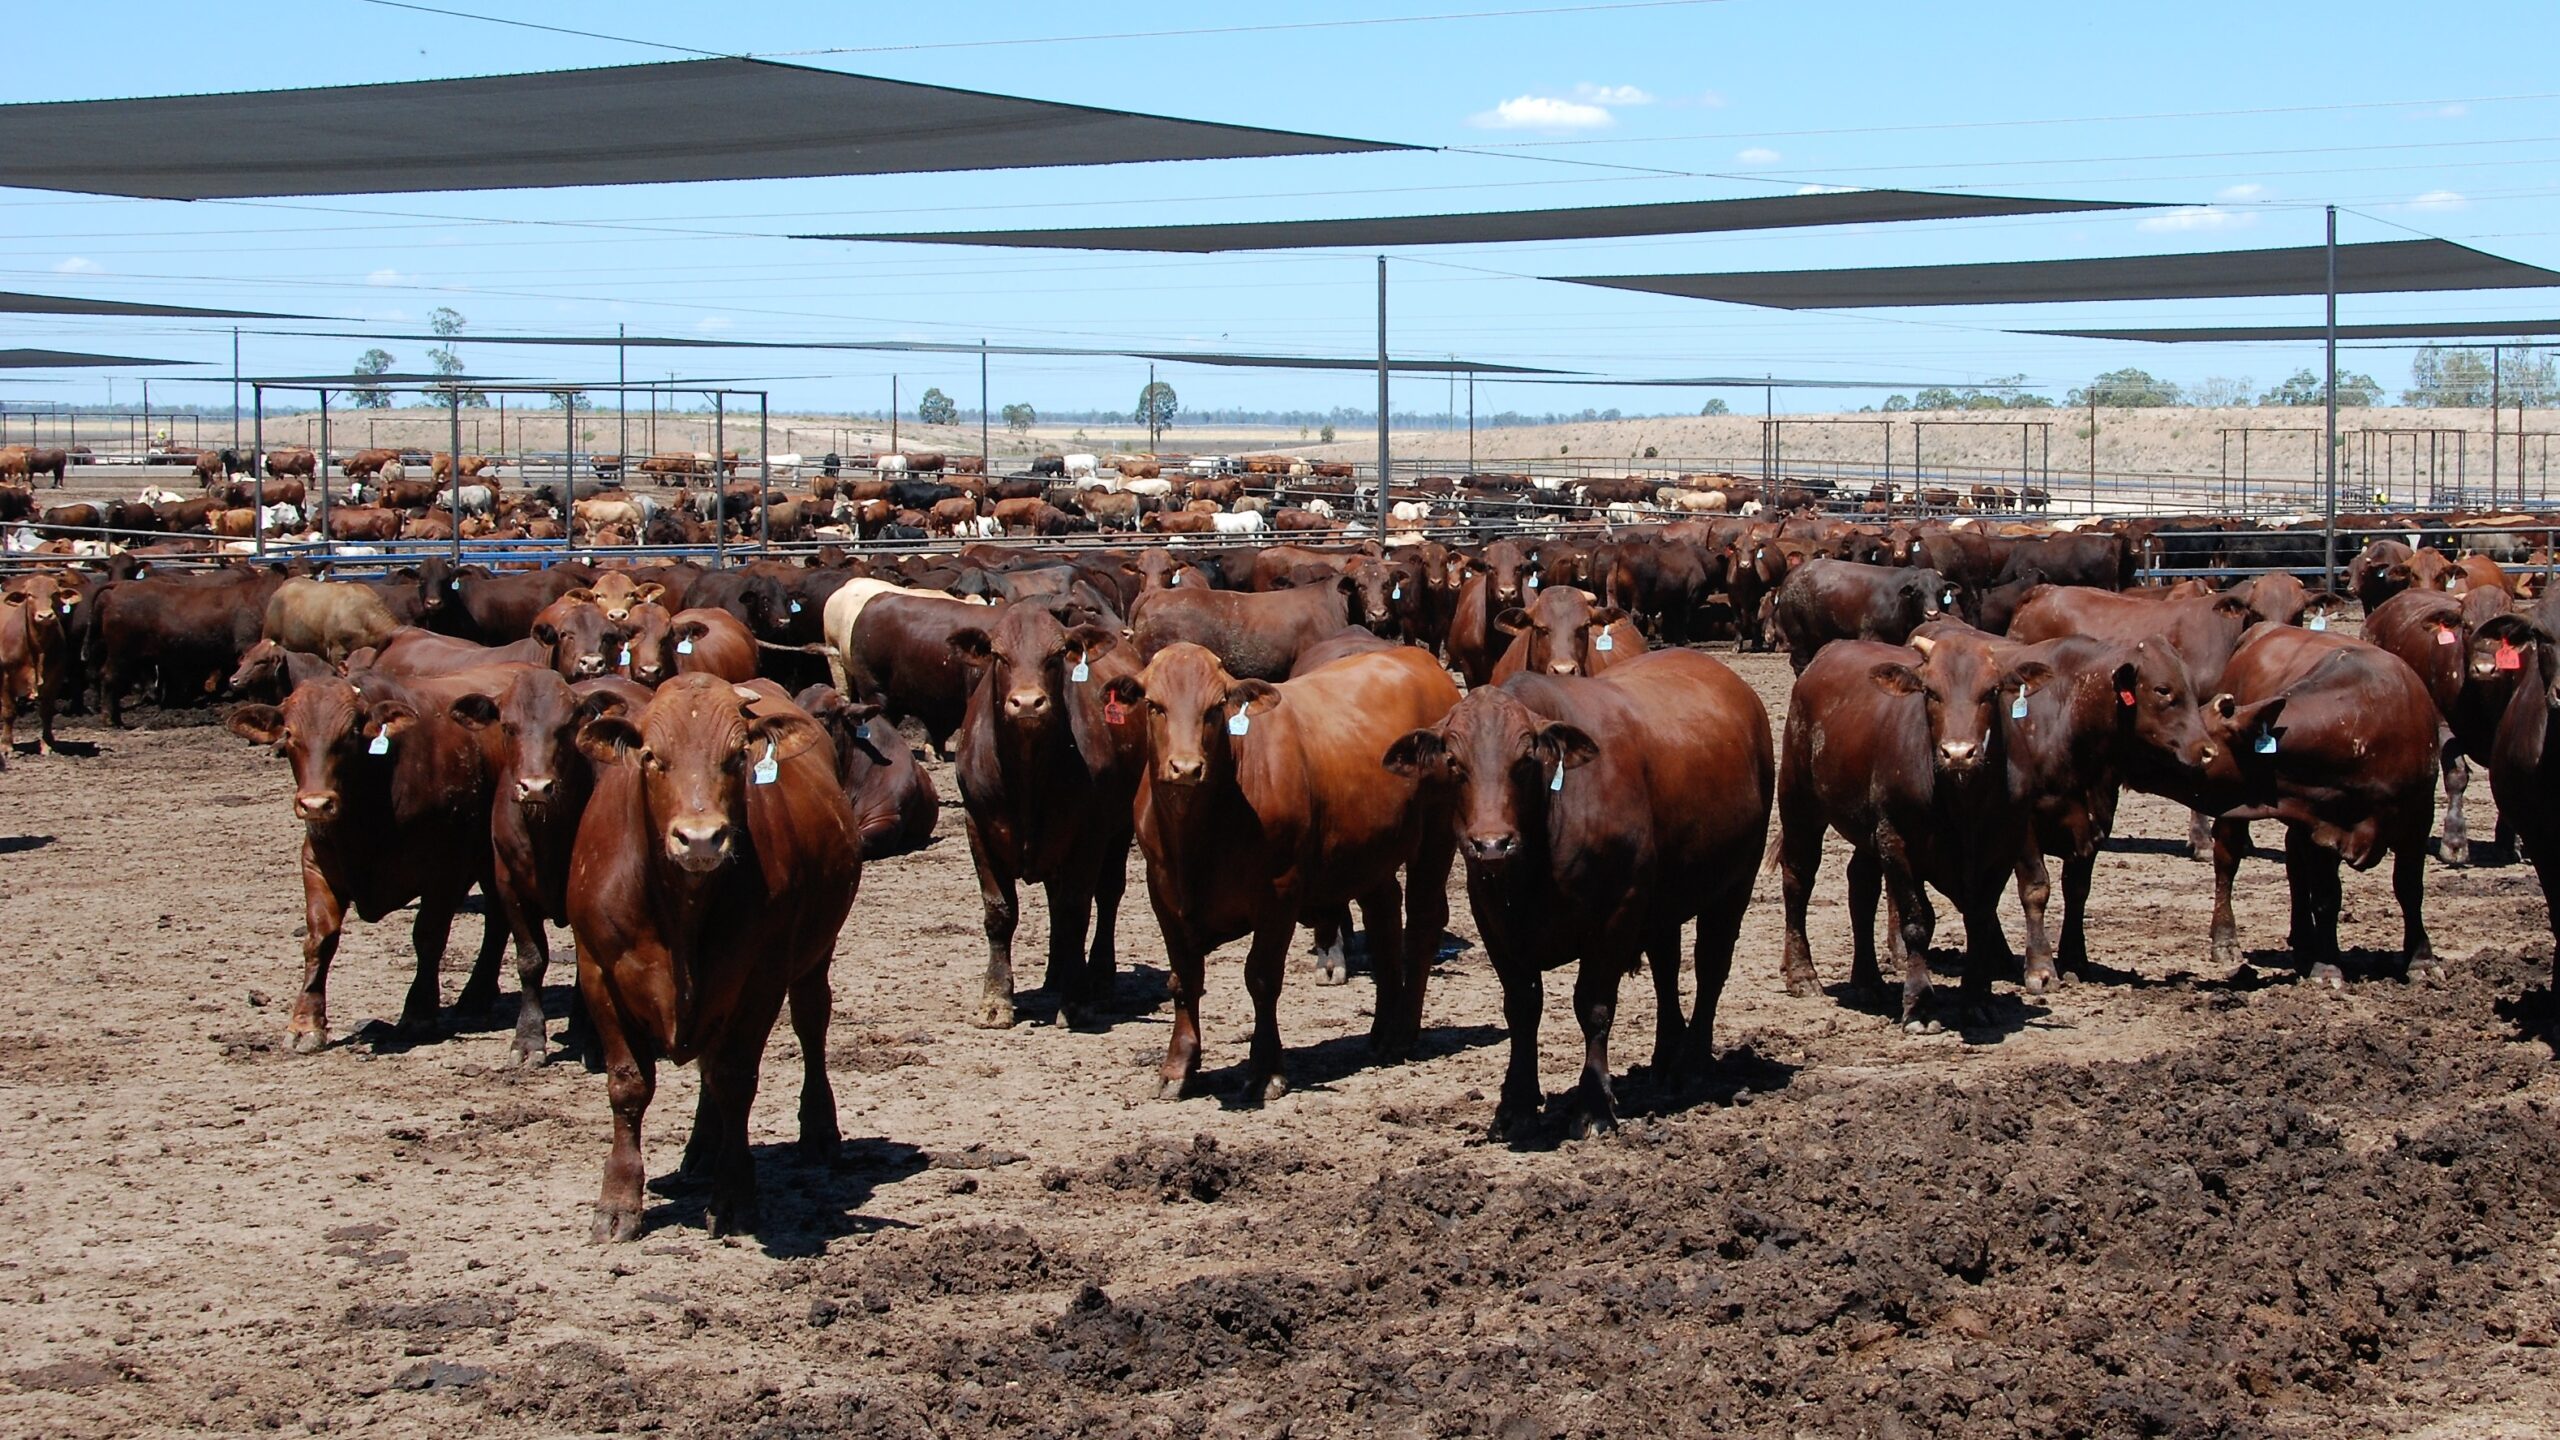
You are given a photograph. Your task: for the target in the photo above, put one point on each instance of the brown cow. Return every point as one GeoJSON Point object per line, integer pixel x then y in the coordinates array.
{"type": "Point", "coordinates": [412, 651]}
{"type": "Point", "coordinates": [1510, 580]}
{"type": "Point", "coordinates": [2336, 739]}
{"type": "Point", "coordinates": [1256, 637]}
{"type": "Point", "coordinates": [2524, 760]}
{"type": "Point", "coordinates": [1046, 780]}
{"type": "Point", "coordinates": [2456, 655]}
{"type": "Point", "coordinates": [394, 802]}
{"type": "Point", "coordinates": [689, 642]}
{"type": "Point", "coordinates": [1822, 601]}
{"type": "Point", "coordinates": [896, 649]}
{"type": "Point", "coordinates": [1597, 817]}
{"type": "Point", "coordinates": [581, 640]}
{"type": "Point", "coordinates": [35, 654]}
{"type": "Point", "coordinates": [895, 805]}
{"type": "Point", "coordinates": [298, 463]}
{"type": "Point", "coordinates": [1563, 633]}
{"type": "Point", "coordinates": [269, 672]}
{"type": "Point", "coordinates": [713, 870]}
{"type": "Point", "coordinates": [188, 633]}
{"type": "Point", "coordinates": [327, 619]}
{"type": "Point", "coordinates": [1262, 804]}
{"type": "Point", "coordinates": [364, 463]}
{"type": "Point", "coordinates": [1904, 752]}
{"type": "Point", "coordinates": [441, 465]}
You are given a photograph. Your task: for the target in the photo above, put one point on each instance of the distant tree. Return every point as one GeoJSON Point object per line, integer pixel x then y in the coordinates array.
{"type": "Point", "coordinates": [445, 359]}
{"type": "Point", "coordinates": [2303, 388]}
{"type": "Point", "coordinates": [1326, 435]}
{"type": "Point", "coordinates": [2128, 388]}
{"type": "Point", "coordinates": [376, 361]}
{"type": "Point", "coordinates": [1020, 418]}
{"type": "Point", "coordinates": [1651, 454]}
{"type": "Point", "coordinates": [1715, 407]}
{"type": "Point", "coordinates": [1896, 404]}
{"type": "Point", "coordinates": [2215, 392]}
{"type": "Point", "coordinates": [560, 398]}
{"type": "Point", "coordinates": [1937, 397]}
{"type": "Point", "coordinates": [1157, 406]}
{"type": "Point", "coordinates": [937, 408]}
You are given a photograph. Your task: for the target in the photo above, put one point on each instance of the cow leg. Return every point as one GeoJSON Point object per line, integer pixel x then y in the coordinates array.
{"type": "Point", "coordinates": [533, 961]}
{"type": "Point", "coordinates": [434, 925]}
{"type": "Point", "coordinates": [2035, 890]}
{"type": "Point", "coordinates": [1799, 860]}
{"type": "Point", "coordinates": [323, 916]}
{"type": "Point", "coordinates": [1264, 966]}
{"type": "Point", "coordinates": [1719, 927]}
{"type": "Point", "coordinates": [1595, 1004]}
{"type": "Point", "coordinates": [1866, 882]}
{"type": "Point", "coordinates": [8, 725]}
{"type": "Point", "coordinates": [1426, 919]}
{"type": "Point", "coordinates": [812, 1004]}
{"type": "Point", "coordinates": [44, 720]}
{"type": "Point", "coordinates": [1524, 1000]}
{"type": "Point", "coordinates": [480, 991]}
{"type": "Point", "coordinates": [2073, 953]}
{"type": "Point", "coordinates": [1670, 1022]}
{"type": "Point", "coordinates": [2230, 842]}
{"type": "Point", "coordinates": [2311, 873]}
{"type": "Point", "coordinates": [2200, 841]}
{"type": "Point", "coordinates": [631, 1079]}
{"type": "Point", "coordinates": [2409, 887]}
{"type": "Point", "coordinates": [1914, 922]}
{"type": "Point", "coordinates": [2457, 780]}
{"type": "Point", "coordinates": [729, 1075]}
{"type": "Point", "coordinates": [1070, 916]}
{"type": "Point", "coordinates": [1185, 968]}
{"type": "Point", "coordinates": [1102, 962]}
{"type": "Point", "coordinates": [1332, 960]}
{"type": "Point", "coordinates": [997, 892]}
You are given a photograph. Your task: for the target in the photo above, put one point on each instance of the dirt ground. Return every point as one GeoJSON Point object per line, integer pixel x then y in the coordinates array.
{"type": "Point", "coordinates": [2161, 1202]}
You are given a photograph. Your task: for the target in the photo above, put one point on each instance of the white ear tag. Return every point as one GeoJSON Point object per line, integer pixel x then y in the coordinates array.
{"type": "Point", "coordinates": [768, 769]}
{"type": "Point", "coordinates": [626, 654]}
{"type": "Point", "coordinates": [2266, 743]}
{"type": "Point", "coordinates": [381, 744]}
{"type": "Point", "coordinates": [1556, 786]}
{"type": "Point", "coordinates": [2319, 620]}
{"type": "Point", "coordinates": [684, 647]}
{"type": "Point", "coordinates": [1238, 723]}
{"type": "Point", "coordinates": [1606, 641]}
{"type": "Point", "coordinates": [1081, 673]}
{"type": "Point", "coordinates": [2018, 706]}
{"type": "Point", "coordinates": [2445, 637]}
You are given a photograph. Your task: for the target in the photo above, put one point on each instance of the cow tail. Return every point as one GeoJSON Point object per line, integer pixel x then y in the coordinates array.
{"type": "Point", "coordinates": [836, 669]}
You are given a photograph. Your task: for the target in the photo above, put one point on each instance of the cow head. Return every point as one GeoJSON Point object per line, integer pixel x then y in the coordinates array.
{"type": "Point", "coordinates": [582, 642]}
{"type": "Point", "coordinates": [615, 592]}
{"type": "Point", "coordinates": [537, 720]}
{"type": "Point", "coordinates": [1384, 593]}
{"type": "Point", "coordinates": [2504, 646]}
{"type": "Point", "coordinates": [697, 749]}
{"type": "Point", "coordinates": [1511, 575]}
{"type": "Point", "coordinates": [1029, 658]}
{"type": "Point", "coordinates": [47, 600]}
{"type": "Point", "coordinates": [1960, 686]}
{"type": "Point", "coordinates": [2157, 708]}
{"type": "Point", "coordinates": [439, 583]}
{"type": "Point", "coordinates": [332, 732]}
{"type": "Point", "coordinates": [1191, 705]}
{"type": "Point", "coordinates": [855, 727]}
{"type": "Point", "coordinates": [1504, 762]}
{"type": "Point", "coordinates": [1928, 594]}
{"type": "Point", "coordinates": [1564, 630]}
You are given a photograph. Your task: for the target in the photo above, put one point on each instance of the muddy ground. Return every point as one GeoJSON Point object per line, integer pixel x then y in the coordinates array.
{"type": "Point", "coordinates": [2161, 1202]}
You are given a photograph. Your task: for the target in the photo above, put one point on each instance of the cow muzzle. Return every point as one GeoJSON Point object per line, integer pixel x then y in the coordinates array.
{"type": "Point", "coordinates": [536, 789]}
{"type": "Point", "coordinates": [1959, 756]}
{"type": "Point", "coordinates": [316, 806]}
{"type": "Point", "coordinates": [1187, 771]}
{"type": "Point", "coordinates": [1563, 667]}
{"type": "Point", "coordinates": [590, 666]}
{"type": "Point", "coordinates": [1493, 848]}
{"type": "Point", "coordinates": [699, 845]}
{"type": "Point", "coordinates": [1026, 704]}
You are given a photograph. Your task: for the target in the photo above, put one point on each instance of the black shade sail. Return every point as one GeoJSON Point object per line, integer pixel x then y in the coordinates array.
{"type": "Point", "coordinates": [2362, 269]}
{"type": "Point", "coordinates": [18, 302]}
{"type": "Point", "coordinates": [378, 382]}
{"type": "Point", "coordinates": [950, 347]}
{"type": "Point", "coordinates": [1596, 222]}
{"type": "Point", "coordinates": [2223, 334]}
{"type": "Point", "coordinates": [71, 359]}
{"type": "Point", "coordinates": [725, 119]}
{"type": "Point", "coordinates": [1782, 382]}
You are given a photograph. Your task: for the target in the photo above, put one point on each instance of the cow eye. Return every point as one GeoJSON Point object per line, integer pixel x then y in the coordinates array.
{"type": "Point", "coordinates": [2160, 690]}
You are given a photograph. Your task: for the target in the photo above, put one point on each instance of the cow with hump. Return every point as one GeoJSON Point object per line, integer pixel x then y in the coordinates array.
{"type": "Point", "coordinates": [1262, 805]}
{"type": "Point", "coordinates": [1903, 751]}
{"type": "Point", "coordinates": [713, 869]}
{"type": "Point", "coordinates": [1597, 817]}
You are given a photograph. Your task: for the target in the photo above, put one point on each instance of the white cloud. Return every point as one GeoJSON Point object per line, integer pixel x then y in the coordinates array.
{"type": "Point", "coordinates": [713, 322]}
{"type": "Point", "coordinates": [2240, 192]}
{"type": "Point", "coordinates": [386, 276]}
{"type": "Point", "coordinates": [78, 265]}
{"type": "Point", "coordinates": [1757, 155]}
{"type": "Point", "coordinates": [1824, 189]}
{"type": "Point", "coordinates": [1542, 112]}
{"type": "Point", "coordinates": [2454, 111]}
{"type": "Point", "coordinates": [1712, 99]}
{"type": "Point", "coordinates": [1615, 96]}
{"type": "Point", "coordinates": [2189, 219]}
{"type": "Point", "coordinates": [2440, 200]}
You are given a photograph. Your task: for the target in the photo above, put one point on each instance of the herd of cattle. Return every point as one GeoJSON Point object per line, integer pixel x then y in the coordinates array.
{"type": "Point", "coordinates": [689, 766]}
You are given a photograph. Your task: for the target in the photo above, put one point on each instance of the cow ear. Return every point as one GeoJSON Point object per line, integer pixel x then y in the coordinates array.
{"type": "Point", "coordinates": [1571, 745]}
{"type": "Point", "coordinates": [1606, 616]}
{"type": "Point", "coordinates": [2257, 715]}
{"type": "Point", "coordinates": [473, 710]}
{"type": "Point", "coordinates": [2029, 675]}
{"type": "Point", "coordinates": [602, 701]}
{"type": "Point", "coordinates": [1512, 620]}
{"type": "Point", "coordinates": [1895, 678]}
{"type": "Point", "coordinates": [1091, 641]}
{"type": "Point", "coordinates": [648, 594]}
{"type": "Point", "coordinates": [1125, 689]}
{"type": "Point", "coordinates": [14, 597]}
{"type": "Point", "coordinates": [2236, 606]}
{"type": "Point", "coordinates": [2127, 680]}
{"type": "Point", "coordinates": [547, 633]}
{"type": "Point", "coordinates": [1415, 754]}
{"type": "Point", "coordinates": [1250, 696]}
{"type": "Point", "coordinates": [257, 724]}
{"type": "Point", "coordinates": [787, 733]}
{"type": "Point", "coordinates": [581, 595]}
{"type": "Point", "coordinates": [690, 630]}
{"type": "Point", "coordinates": [389, 717]}
{"type": "Point", "coordinates": [610, 740]}
{"type": "Point", "coordinates": [971, 644]}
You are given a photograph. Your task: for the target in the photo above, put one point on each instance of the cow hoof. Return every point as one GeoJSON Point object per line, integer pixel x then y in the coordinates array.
{"type": "Point", "coordinates": [995, 1012]}
{"type": "Point", "coordinates": [2042, 981]}
{"type": "Point", "coordinates": [1513, 1122]}
{"type": "Point", "coordinates": [1272, 1087]}
{"type": "Point", "coordinates": [614, 1225]}
{"type": "Point", "coordinates": [2328, 976]}
{"type": "Point", "coordinates": [735, 1215]}
{"type": "Point", "coordinates": [1170, 1087]}
{"type": "Point", "coordinates": [1589, 1120]}
{"type": "Point", "coordinates": [532, 1055]}
{"type": "Point", "coordinates": [2455, 852]}
{"type": "Point", "coordinates": [1922, 1025]}
{"type": "Point", "coordinates": [1800, 983]}
{"type": "Point", "coordinates": [309, 1042]}
{"type": "Point", "coordinates": [2425, 970]}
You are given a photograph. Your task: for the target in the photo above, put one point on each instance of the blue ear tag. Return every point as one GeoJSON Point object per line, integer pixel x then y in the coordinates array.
{"type": "Point", "coordinates": [1556, 786]}
{"type": "Point", "coordinates": [1399, 591]}
{"type": "Point", "coordinates": [862, 731]}
{"type": "Point", "coordinates": [626, 654]}
{"type": "Point", "coordinates": [2018, 706]}
{"type": "Point", "coordinates": [2266, 742]}
{"type": "Point", "coordinates": [1606, 641]}
{"type": "Point", "coordinates": [1238, 723]}
{"type": "Point", "coordinates": [768, 769]}
{"type": "Point", "coordinates": [2318, 621]}
{"type": "Point", "coordinates": [381, 745]}
{"type": "Point", "coordinates": [795, 607]}
{"type": "Point", "coordinates": [684, 647]}
{"type": "Point", "coordinates": [1081, 673]}
{"type": "Point", "coordinates": [1533, 582]}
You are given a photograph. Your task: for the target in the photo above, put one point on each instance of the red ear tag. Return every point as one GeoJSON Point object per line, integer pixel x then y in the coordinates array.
{"type": "Point", "coordinates": [2509, 657]}
{"type": "Point", "coordinates": [2124, 697]}
{"type": "Point", "coordinates": [2445, 637]}
{"type": "Point", "coordinates": [1113, 712]}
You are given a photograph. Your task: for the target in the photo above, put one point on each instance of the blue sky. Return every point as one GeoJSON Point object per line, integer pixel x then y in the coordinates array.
{"type": "Point", "coordinates": [2246, 112]}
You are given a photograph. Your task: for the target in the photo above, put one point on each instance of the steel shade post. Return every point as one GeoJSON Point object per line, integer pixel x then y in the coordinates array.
{"type": "Point", "coordinates": [1385, 477]}
{"type": "Point", "coordinates": [2329, 509]}
{"type": "Point", "coordinates": [719, 480]}
{"type": "Point", "coordinates": [453, 472]}
{"type": "Point", "coordinates": [764, 460]}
